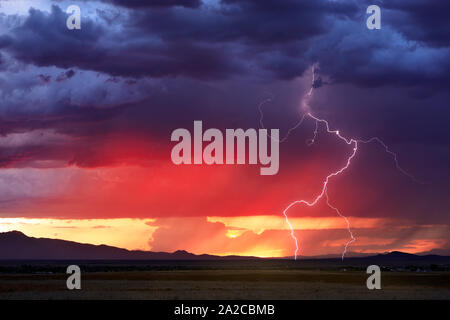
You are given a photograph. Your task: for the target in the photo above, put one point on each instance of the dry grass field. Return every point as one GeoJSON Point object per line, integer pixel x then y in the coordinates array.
{"type": "Point", "coordinates": [228, 284]}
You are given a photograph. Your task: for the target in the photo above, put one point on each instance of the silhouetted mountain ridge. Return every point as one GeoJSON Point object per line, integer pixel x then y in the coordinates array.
{"type": "Point", "coordinates": [15, 245]}
{"type": "Point", "coordinates": [398, 255]}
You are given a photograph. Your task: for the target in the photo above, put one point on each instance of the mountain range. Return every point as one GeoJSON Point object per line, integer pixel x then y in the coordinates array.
{"type": "Point", "coordinates": [15, 245]}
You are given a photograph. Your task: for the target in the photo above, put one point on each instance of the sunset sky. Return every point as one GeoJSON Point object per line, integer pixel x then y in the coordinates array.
{"type": "Point", "coordinates": [86, 118]}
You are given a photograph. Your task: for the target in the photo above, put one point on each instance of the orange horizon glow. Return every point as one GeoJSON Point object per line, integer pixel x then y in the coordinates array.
{"type": "Point", "coordinates": [260, 236]}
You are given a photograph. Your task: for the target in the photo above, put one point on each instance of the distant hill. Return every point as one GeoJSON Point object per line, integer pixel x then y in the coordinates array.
{"type": "Point", "coordinates": [402, 256]}
{"type": "Point", "coordinates": [15, 245]}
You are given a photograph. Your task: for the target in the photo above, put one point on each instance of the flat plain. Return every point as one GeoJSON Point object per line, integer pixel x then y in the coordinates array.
{"type": "Point", "coordinates": [211, 280]}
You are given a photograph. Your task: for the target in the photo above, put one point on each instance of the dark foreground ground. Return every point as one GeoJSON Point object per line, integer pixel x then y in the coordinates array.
{"type": "Point", "coordinates": [278, 279]}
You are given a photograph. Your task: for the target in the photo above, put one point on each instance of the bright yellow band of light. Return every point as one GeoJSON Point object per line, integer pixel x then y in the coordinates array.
{"type": "Point", "coordinates": [258, 224]}
{"type": "Point", "coordinates": [123, 233]}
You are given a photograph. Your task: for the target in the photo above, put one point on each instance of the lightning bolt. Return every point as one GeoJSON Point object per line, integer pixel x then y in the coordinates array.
{"type": "Point", "coordinates": [354, 143]}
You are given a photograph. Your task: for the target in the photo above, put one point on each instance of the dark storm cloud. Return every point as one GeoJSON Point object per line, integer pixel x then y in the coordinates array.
{"type": "Point", "coordinates": [45, 78]}
{"type": "Point", "coordinates": [264, 22]}
{"type": "Point", "coordinates": [155, 3]}
{"type": "Point", "coordinates": [12, 157]}
{"type": "Point", "coordinates": [68, 119]}
{"type": "Point", "coordinates": [266, 39]}
{"type": "Point", "coordinates": [45, 41]}
{"type": "Point", "coordinates": [425, 21]}
{"type": "Point", "coordinates": [142, 4]}
{"type": "Point", "coordinates": [65, 75]}
{"type": "Point", "coordinates": [160, 43]}
{"type": "Point", "coordinates": [42, 40]}
{"type": "Point", "coordinates": [80, 135]}
{"type": "Point", "coordinates": [5, 41]}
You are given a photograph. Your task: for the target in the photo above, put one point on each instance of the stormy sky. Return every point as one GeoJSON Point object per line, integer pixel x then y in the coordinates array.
{"type": "Point", "coordinates": [86, 117]}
